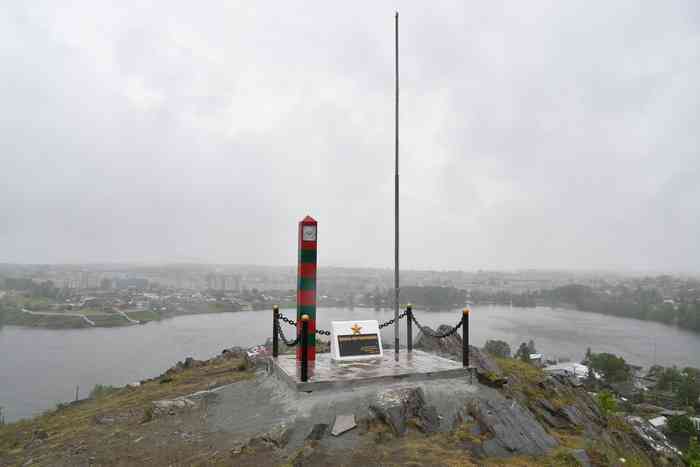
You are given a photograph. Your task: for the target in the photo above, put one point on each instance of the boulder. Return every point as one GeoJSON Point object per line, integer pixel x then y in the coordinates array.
{"type": "Point", "coordinates": [451, 345]}
{"type": "Point", "coordinates": [234, 352]}
{"type": "Point", "coordinates": [512, 429]}
{"type": "Point", "coordinates": [277, 437]}
{"type": "Point", "coordinates": [396, 407]}
{"type": "Point", "coordinates": [170, 407]}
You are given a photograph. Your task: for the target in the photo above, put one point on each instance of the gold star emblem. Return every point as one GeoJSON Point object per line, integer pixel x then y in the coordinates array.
{"type": "Point", "coordinates": [356, 329]}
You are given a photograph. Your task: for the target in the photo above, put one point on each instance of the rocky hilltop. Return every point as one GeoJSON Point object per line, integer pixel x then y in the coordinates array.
{"type": "Point", "coordinates": [231, 410]}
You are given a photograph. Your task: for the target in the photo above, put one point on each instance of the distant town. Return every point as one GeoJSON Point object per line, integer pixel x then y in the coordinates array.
{"type": "Point", "coordinates": [61, 296]}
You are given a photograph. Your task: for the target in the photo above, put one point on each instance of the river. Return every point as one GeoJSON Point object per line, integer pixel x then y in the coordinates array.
{"type": "Point", "coordinates": [41, 367]}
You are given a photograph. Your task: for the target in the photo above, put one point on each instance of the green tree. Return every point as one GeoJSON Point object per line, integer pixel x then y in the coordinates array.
{"type": "Point", "coordinates": [613, 368]}
{"type": "Point", "coordinates": [523, 353]}
{"type": "Point", "coordinates": [497, 348]}
{"type": "Point", "coordinates": [681, 424]}
{"type": "Point", "coordinates": [688, 390]}
{"type": "Point", "coordinates": [669, 378]}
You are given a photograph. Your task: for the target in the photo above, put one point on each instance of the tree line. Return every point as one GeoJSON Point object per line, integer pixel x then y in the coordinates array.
{"type": "Point", "coordinates": [643, 304]}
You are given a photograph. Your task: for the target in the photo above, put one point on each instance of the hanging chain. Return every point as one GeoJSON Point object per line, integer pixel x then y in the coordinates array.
{"type": "Point", "coordinates": [281, 333]}
{"type": "Point", "coordinates": [429, 332]}
{"type": "Point", "coordinates": [393, 320]}
{"type": "Point", "coordinates": [287, 320]}
{"type": "Point", "coordinates": [293, 323]}
{"type": "Point", "coordinates": [328, 333]}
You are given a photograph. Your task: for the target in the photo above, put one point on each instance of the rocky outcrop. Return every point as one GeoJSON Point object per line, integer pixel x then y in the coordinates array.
{"type": "Point", "coordinates": [510, 429]}
{"type": "Point", "coordinates": [397, 406]}
{"type": "Point", "coordinates": [652, 440]}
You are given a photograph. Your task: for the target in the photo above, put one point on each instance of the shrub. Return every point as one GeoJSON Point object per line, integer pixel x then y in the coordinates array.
{"type": "Point", "coordinates": [607, 402]}
{"type": "Point", "coordinates": [147, 414]}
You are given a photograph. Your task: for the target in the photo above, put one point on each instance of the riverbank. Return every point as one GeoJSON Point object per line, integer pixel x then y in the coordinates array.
{"type": "Point", "coordinates": [66, 358]}
{"type": "Point", "coordinates": [84, 319]}
{"type": "Point", "coordinates": [62, 435]}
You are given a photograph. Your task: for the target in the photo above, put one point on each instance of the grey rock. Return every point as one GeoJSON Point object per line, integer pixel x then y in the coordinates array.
{"type": "Point", "coordinates": [104, 420]}
{"type": "Point", "coordinates": [172, 406]}
{"type": "Point", "coordinates": [451, 345]}
{"type": "Point", "coordinates": [653, 440]}
{"type": "Point", "coordinates": [318, 432]}
{"type": "Point", "coordinates": [234, 352]}
{"type": "Point", "coordinates": [342, 424]}
{"type": "Point", "coordinates": [396, 406]}
{"type": "Point", "coordinates": [571, 415]}
{"type": "Point", "coordinates": [514, 429]}
{"type": "Point", "coordinates": [428, 419]}
{"type": "Point", "coordinates": [278, 436]}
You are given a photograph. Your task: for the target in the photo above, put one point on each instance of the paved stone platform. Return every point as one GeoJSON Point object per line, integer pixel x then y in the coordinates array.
{"type": "Point", "coordinates": [414, 366]}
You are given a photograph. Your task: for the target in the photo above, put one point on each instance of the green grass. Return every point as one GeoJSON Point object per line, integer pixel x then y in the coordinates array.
{"type": "Point", "coordinates": [18, 318]}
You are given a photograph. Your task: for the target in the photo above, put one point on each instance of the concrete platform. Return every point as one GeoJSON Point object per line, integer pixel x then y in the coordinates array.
{"type": "Point", "coordinates": [415, 366]}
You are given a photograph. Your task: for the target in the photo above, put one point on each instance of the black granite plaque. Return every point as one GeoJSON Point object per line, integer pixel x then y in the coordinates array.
{"type": "Point", "coordinates": [358, 345]}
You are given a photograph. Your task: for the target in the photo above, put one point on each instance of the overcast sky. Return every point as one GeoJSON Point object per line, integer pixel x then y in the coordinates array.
{"type": "Point", "coordinates": [533, 134]}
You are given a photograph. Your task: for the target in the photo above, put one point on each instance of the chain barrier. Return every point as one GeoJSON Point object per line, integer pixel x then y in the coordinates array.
{"type": "Point", "coordinates": [281, 333]}
{"type": "Point", "coordinates": [426, 330]}
{"type": "Point", "coordinates": [287, 320]}
{"type": "Point", "coordinates": [328, 333]}
{"type": "Point", "coordinates": [392, 320]}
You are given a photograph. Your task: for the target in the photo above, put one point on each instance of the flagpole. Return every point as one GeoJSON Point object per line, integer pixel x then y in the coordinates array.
{"type": "Point", "coordinates": [396, 196]}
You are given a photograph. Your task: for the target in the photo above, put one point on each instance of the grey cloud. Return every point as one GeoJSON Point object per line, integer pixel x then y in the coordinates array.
{"type": "Point", "coordinates": [533, 135]}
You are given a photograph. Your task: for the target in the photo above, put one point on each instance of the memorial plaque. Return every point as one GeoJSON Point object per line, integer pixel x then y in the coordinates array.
{"type": "Point", "coordinates": [358, 346]}
{"type": "Point", "coordinates": [355, 340]}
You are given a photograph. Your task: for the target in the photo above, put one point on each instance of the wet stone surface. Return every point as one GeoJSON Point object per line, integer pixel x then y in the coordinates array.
{"type": "Point", "coordinates": [326, 374]}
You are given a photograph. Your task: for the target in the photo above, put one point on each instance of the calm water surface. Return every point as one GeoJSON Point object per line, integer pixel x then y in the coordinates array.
{"type": "Point", "coordinates": [40, 367]}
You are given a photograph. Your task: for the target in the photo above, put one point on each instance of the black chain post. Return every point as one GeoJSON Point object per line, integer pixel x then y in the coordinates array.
{"type": "Point", "coordinates": [409, 328]}
{"type": "Point", "coordinates": [275, 336]}
{"type": "Point", "coordinates": [304, 348]}
{"type": "Point", "coordinates": [465, 338]}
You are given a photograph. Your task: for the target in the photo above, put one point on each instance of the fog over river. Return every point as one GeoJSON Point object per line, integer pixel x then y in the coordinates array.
{"type": "Point", "coordinates": [40, 367]}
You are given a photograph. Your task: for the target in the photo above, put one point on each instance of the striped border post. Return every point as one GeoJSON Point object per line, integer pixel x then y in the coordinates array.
{"type": "Point", "coordinates": [306, 285]}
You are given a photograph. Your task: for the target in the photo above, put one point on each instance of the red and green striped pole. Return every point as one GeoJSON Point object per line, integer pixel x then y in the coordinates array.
{"type": "Point", "coordinates": [306, 285]}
